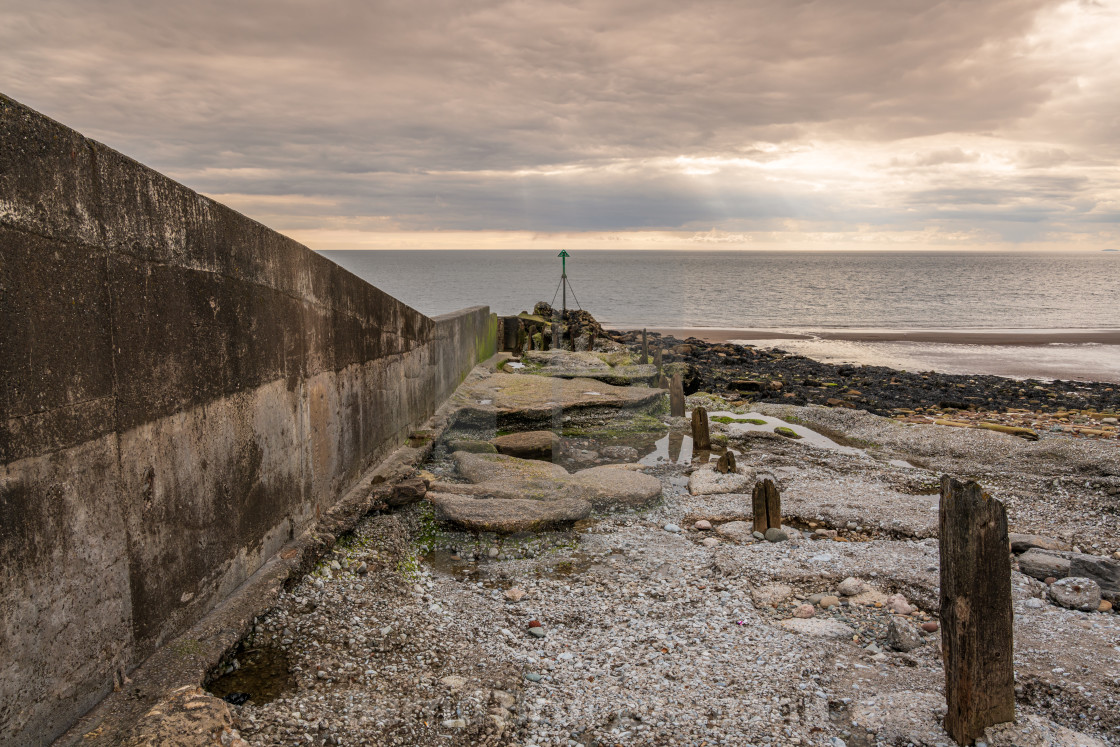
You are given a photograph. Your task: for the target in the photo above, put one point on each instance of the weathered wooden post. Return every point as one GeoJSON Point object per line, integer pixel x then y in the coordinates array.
{"type": "Point", "coordinates": [590, 340]}
{"type": "Point", "coordinates": [676, 397]}
{"type": "Point", "coordinates": [766, 506]}
{"type": "Point", "coordinates": [701, 437]}
{"type": "Point", "coordinates": [662, 382]}
{"type": "Point", "coordinates": [726, 463]}
{"type": "Point", "coordinates": [976, 615]}
{"type": "Point", "coordinates": [645, 349]}
{"type": "Point", "coordinates": [657, 357]}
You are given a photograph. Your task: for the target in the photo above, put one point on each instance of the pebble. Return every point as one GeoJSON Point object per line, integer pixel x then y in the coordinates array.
{"type": "Point", "coordinates": [901, 635]}
{"type": "Point", "coordinates": [532, 677]}
{"type": "Point", "coordinates": [492, 552]}
{"type": "Point", "coordinates": [671, 528]}
{"type": "Point", "coordinates": [849, 587]}
{"type": "Point", "coordinates": [804, 610]}
{"type": "Point", "coordinates": [703, 525]}
{"type": "Point", "coordinates": [1105, 606]}
{"type": "Point", "coordinates": [898, 604]}
{"type": "Point", "coordinates": [455, 723]}
{"type": "Point", "coordinates": [709, 542]}
{"type": "Point", "coordinates": [930, 626]}
{"type": "Point", "coordinates": [758, 535]}
{"type": "Point", "coordinates": [515, 594]}
{"type": "Point", "coordinates": [536, 632]}
{"type": "Point", "coordinates": [829, 601]}
{"type": "Point", "coordinates": [773, 534]}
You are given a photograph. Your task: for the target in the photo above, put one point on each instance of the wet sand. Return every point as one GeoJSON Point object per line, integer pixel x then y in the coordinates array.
{"type": "Point", "coordinates": [1019, 337]}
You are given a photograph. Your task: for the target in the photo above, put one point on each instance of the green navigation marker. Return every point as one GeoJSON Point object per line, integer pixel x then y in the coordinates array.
{"type": "Point", "coordinates": [563, 255]}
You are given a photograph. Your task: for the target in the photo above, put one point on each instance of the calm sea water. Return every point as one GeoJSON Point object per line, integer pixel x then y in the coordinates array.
{"type": "Point", "coordinates": [793, 291]}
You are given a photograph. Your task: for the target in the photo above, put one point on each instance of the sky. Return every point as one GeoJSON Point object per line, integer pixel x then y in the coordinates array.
{"type": "Point", "coordinates": [710, 124]}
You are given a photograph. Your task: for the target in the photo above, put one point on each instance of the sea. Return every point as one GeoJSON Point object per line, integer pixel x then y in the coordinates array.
{"type": "Point", "coordinates": [1018, 314]}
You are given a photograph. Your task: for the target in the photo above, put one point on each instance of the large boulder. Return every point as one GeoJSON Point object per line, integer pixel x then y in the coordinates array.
{"type": "Point", "coordinates": [739, 531]}
{"type": "Point", "coordinates": [709, 481]}
{"type": "Point", "coordinates": [528, 444]}
{"type": "Point", "coordinates": [188, 717]}
{"type": "Point", "coordinates": [1023, 542]}
{"type": "Point", "coordinates": [1104, 571]}
{"type": "Point", "coordinates": [1076, 593]}
{"type": "Point", "coordinates": [1044, 564]}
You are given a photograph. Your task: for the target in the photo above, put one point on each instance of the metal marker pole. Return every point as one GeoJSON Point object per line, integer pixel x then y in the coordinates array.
{"type": "Point", "coordinates": [563, 255]}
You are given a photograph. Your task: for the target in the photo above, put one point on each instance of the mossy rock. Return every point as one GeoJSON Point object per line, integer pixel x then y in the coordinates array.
{"type": "Point", "coordinates": [471, 446]}
{"type": "Point", "coordinates": [787, 432]}
{"type": "Point", "coordinates": [726, 419]}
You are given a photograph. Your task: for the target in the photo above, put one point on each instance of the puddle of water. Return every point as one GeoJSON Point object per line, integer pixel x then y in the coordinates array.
{"type": "Point", "coordinates": [808, 435]}
{"type": "Point", "coordinates": [450, 563]}
{"type": "Point", "coordinates": [263, 676]}
{"type": "Point", "coordinates": [575, 564]}
{"type": "Point", "coordinates": [674, 447]}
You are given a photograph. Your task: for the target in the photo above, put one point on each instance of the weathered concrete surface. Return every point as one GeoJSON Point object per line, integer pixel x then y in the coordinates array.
{"type": "Point", "coordinates": [183, 391]}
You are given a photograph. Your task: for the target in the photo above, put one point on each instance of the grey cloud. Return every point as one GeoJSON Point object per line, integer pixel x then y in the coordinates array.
{"type": "Point", "coordinates": [422, 113]}
{"type": "Point", "coordinates": [1042, 158]}
{"type": "Point", "coordinates": [937, 158]}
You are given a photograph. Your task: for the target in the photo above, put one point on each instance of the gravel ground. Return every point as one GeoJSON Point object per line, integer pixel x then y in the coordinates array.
{"type": "Point", "coordinates": [660, 637]}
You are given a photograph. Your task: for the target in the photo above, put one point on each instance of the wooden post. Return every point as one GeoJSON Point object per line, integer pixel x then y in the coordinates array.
{"type": "Point", "coordinates": [657, 358]}
{"type": "Point", "coordinates": [662, 382]}
{"type": "Point", "coordinates": [701, 437]}
{"type": "Point", "coordinates": [590, 340]}
{"type": "Point", "coordinates": [676, 397]}
{"type": "Point", "coordinates": [766, 506]}
{"type": "Point", "coordinates": [726, 463]}
{"type": "Point", "coordinates": [976, 615]}
{"type": "Point", "coordinates": [645, 349]}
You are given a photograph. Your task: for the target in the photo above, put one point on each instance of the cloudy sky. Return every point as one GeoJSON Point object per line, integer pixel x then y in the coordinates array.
{"type": "Point", "coordinates": [604, 123]}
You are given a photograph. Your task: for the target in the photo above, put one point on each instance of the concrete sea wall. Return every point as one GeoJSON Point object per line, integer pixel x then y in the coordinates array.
{"type": "Point", "coordinates": [183, 391]}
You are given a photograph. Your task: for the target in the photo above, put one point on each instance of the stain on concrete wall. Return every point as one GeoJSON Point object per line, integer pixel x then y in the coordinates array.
{"type": "Point", "coordinates": [183, 391]}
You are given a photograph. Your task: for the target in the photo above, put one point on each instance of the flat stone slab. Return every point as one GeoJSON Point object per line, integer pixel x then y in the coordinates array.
{"type": "Point", "coordinates": [528, 444]}
{"type": "Point", "coordinates": [485, 467]}
{"type": "Point", "coordinates": [614, 486]}
{"type": "Point", "coordinates": [709, 481]}
{"type": "Point", "coordinates": [527, 397]}
{"type": "Point", "coordinates": [508, 515]}
{"type": "Point", "coordinates": [509, 494]}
